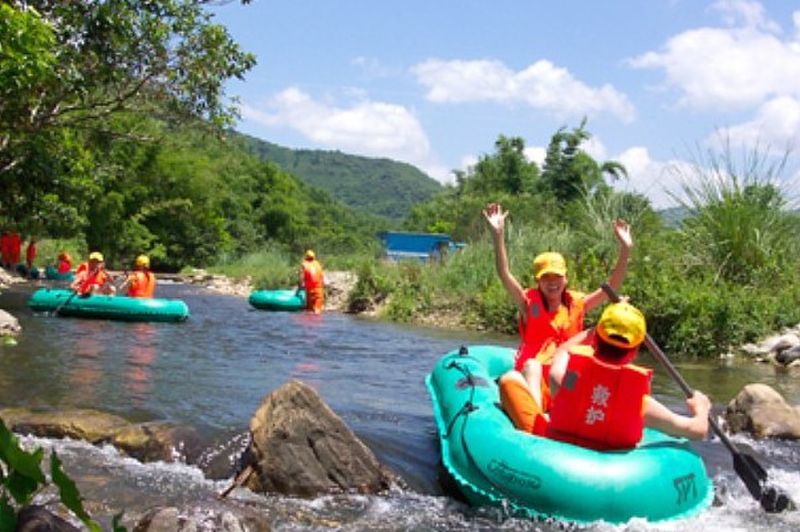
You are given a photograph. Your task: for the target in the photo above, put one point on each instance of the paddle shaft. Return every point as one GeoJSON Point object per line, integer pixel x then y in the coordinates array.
{"type": "Point", "coordinates": [664, 361]}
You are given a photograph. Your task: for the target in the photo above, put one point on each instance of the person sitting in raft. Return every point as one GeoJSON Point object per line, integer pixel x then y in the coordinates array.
{"type": "Point", "coordinates": [64, 262]}
{"type": "Point", "coordinates": [549, 314]}
{"type": "Point", "coordinates": [142, 282]}
{"type": "Point", "coordinates": [600, 400]}
{"type": "Point", "coordinates": [312, 279]}
{"type": "Point", "coordinates": [91, 277]}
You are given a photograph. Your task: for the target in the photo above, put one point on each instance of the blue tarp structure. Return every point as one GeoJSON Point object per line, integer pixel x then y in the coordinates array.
{"type": "Point", "coordinates": [422, 246]}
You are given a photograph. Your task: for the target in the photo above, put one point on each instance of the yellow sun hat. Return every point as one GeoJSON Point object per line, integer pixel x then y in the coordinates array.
{"type": "Point", "coordinates": [622, 325]}
{"type": "Point", "coordinates": [549, 262]}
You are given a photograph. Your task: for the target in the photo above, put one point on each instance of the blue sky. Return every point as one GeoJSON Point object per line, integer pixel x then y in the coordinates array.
{"type": "Point", "coordinates": [433, 83]}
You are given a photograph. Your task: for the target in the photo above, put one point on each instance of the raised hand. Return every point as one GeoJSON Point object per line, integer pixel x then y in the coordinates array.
{"type": "Point", "coordinates": [495, 216]}
{"type": "Point", "coordinates": [623, 233]}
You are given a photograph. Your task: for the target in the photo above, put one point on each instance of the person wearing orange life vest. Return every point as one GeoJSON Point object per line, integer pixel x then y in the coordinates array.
{"type": "Point", "coordinates": [64, 262]}
{"type": "Point", "coordinates": [312, 279]}
{"type": "Point", "coordinates": [91, 277]}
{"type": "Point", "coordinates": [142, 282]}
{"type": "Point", "coordinates": [549, 314]}
{"type": "Point", "coordinates": [601, 400]}
{"type": "Point", "coordinates": [5, 248]}
{"type": "Point", "coordinates": [30, 253]}
{"type": "Point", "coordinates": [15, 250]}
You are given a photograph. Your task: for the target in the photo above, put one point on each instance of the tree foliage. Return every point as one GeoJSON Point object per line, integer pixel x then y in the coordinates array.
{"type": "Point", "coordinates": [69, 67]}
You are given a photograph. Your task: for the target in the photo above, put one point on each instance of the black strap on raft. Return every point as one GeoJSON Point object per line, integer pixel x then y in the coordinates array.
{"type": "Point", "coordinates": [466, 409]}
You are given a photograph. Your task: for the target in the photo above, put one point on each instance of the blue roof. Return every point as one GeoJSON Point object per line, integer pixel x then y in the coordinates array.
{"type": "Point", "coordinates": [412, 243]}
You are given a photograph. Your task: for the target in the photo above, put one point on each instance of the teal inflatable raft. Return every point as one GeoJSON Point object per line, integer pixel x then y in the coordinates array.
{"type": "Point", "coordinates": [50, 272]}
{"type": "Point", "coordinates": [287, 300]}
{"type": "Point", "coordinates": [124, 308]}
{"type": "Point", "coordinates": [494, 464]}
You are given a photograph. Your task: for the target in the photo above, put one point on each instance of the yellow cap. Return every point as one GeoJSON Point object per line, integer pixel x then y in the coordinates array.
{"type": "Point", "coordinates": [142, 261]}
{"type": "Point", "coordinates": [310, 254]}
{"type": "Point", "coordinates": [549, 262]}
{"type": "Point", "coordinates": [96, 255]}
{"type": "Point", "coordinates": [622, 325]}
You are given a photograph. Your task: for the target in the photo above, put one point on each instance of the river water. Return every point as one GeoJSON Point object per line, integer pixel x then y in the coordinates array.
{"type": "Point", "coordinates": [212, 371]}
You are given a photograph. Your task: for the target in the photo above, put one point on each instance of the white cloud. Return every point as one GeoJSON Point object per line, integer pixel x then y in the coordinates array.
{"type": "Point", "coordinates": [535, 154]}
{"type": "Point", "coordinates": [776, 124]}
{"type": "Point", "coordinates": [749, 13]}
{"type": "Point", "coordinates": [541, 85]}
{"type": "Point", "coordinates": [651, 178]}
{"type": "Point", "coordinates": [729, 68]}
{"type": "Point", "coordinates": [374, 129]}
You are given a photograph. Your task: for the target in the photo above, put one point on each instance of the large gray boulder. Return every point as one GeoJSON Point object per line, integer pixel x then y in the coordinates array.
{"type": "Point", "coordinates": [761, 411]}
{"type": "Point", "coordinates": [301, 447]}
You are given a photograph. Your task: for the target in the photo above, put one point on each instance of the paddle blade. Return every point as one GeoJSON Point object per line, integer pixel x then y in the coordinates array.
{"type": "Point", "coordinates": [772, 500]}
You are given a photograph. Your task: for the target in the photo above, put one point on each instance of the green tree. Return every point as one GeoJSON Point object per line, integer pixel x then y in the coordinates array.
{"type": "Point", "coordinates": [69, 66]}
{"type": "Point", "coordinates": [569, 172]}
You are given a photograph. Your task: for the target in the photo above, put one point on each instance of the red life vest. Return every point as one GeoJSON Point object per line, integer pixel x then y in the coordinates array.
{"type": "Point", "coordinates": [30, 253]}
{"type": "Point", "coordinates": [312, 275]}
{"type": "Point", "coordinates": [16, 248]}
{"type": "Point", "coordinates": [143, 284]}
{"type": "Point", "coordinates": [95, 278]}
{"type": "Point", "coordinates": [5, 247]}
{"type": "Point", "coordinates": [599, 405]}
{"type": "Point", "coordinates": [543, 331]}
{"type": "Point", "coordinates": [64, 266]}
{"type": "Point", "coordinates": [82, 267]}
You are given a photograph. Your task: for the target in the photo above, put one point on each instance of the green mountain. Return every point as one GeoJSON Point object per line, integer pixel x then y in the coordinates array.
{"type": "Point", "coordinates": [377, 186]}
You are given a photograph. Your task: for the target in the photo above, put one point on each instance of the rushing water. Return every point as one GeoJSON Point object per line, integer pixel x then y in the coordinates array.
{"type": "Point", "coordinates": [212, 371]}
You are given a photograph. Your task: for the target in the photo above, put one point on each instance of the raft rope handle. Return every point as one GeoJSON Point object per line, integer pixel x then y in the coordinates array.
{"type": "Point", "coordinates": [467, 409]}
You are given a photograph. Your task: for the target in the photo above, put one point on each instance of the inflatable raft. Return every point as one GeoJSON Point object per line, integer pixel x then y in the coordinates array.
{"type": "Point", "coordinates": [287, 300]}
{"type": "Point", "coordinates": [124, 308]}
{"type": "Point", "coordinates": [494, 464]}
{"type": "Point", "coordinates": [50, 272]}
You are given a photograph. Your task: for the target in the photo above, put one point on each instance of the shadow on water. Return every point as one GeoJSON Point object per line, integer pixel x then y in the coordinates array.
{"type": "Point", "coordinates": [212, 371]}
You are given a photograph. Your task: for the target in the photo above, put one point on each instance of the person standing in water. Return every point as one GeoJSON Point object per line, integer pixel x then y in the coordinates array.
{"type": "Point", "coordinates": [312, 279]}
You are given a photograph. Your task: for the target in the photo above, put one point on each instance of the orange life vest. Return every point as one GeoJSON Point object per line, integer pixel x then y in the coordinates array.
{"type": "Point", "coordinates": [16, 248]}
{"type": "Point", "coordinates": [30, 253]}
{"type": "Point", "coordinates": [64, 266]}
{"type": "Point", "coordinates": [96, 278]}
{"type": "Point", "coordinates": [599, 405]}
{"type": "Point", "coordinates": [5, 246]}
{"type": "Point", "coordinates": [543, 331]}
{"type": "Point", "coordinates": [312, 275]}
{"type": "Point", "coordinates": [143, 284]}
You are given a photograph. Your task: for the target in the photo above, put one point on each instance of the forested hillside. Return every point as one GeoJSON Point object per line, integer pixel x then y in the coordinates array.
{"type": "Point", "coordinates": [377, 186]}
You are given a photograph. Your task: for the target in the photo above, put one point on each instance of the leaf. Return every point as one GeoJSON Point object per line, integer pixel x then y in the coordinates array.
{"type": "Point", "coordinates": [115, 523]}
{"type": "Point", "coordinates": [21, 487]}
{"type": "Point", "coordinates": [69, 493]}
{"type": "Point", "coordinates": [8, 517]}
{"type": "Point", "coordinates": [17, 458]}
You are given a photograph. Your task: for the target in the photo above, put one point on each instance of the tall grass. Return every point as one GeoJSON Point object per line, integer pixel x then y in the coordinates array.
{"type": "Point", "coordinates": [738, 220]}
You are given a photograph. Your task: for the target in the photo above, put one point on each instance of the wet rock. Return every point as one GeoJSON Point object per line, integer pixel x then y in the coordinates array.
{"type": "Point", "coordinates": [761, 411]}
{"type": "Point", "coordinates": [171, 519]}
{"type": "Point", "coordinates": [301, 447]}
{"type": "Point", "coordinates": [151, 442]}
{"type": "Point", "coordinates": [9, 325]}
{"type": "Point", "coordinates": [79, 424]}
{"type": "Point", "coordinates": [147, 442]}
{"type": "Point", "coordinates": [38, 519]}
{"type": "Point", "coordinates": [338, 286]}
{"type": "Point", "coordinates": [789, 357]}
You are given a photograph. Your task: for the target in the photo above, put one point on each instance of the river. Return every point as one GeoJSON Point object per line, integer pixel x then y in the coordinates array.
{"type": "Point", "coordinates": [212, 371]}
